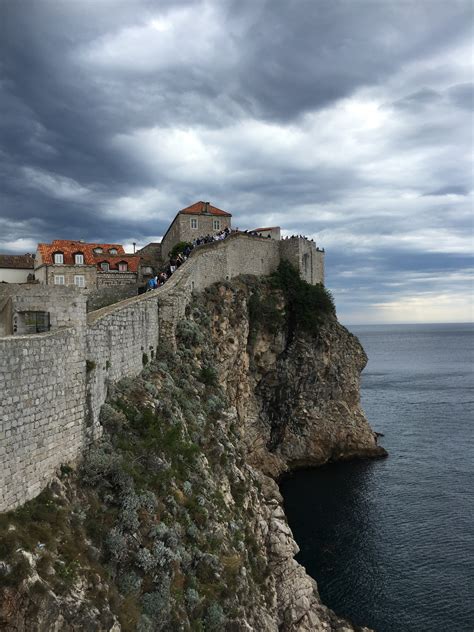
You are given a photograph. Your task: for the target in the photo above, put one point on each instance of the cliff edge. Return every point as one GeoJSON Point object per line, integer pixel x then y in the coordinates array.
{"type": "Point", "coordinates": [174, 520]}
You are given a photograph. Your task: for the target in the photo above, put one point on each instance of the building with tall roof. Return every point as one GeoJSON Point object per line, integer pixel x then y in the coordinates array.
{"type": "Point", "coordinates": [16, 268]}
{"type": "Point", "coordinates": [85, 265]}
{"type": "Point", "coordinates": [201, 218]}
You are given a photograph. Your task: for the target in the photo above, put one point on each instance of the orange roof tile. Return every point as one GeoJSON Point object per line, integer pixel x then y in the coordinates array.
{"type": "Point", "coordinates": [69, 248]}
{"type": "Point", "coordinates": [204, 207]}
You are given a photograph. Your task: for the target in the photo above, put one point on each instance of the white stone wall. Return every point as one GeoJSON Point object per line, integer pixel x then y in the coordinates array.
{"type": "Point", "coordinates": [42, 381]}
{"type": "Point", "coordinates": [8, 275]}
{"type": "Point", "coordinates": [117, 338]}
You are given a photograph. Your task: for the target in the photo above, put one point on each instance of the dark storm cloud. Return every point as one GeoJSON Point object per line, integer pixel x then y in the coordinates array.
{"type": "Point", "coordinates": [347, 121]}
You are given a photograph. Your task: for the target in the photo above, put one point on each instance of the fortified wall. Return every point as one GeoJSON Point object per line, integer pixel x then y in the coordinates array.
{"type": "Point", "coordinates": [53, 384]}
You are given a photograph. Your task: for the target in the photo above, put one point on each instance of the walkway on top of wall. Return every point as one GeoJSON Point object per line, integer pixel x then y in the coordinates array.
{"type": "Point", "coordinates": [175, 278]}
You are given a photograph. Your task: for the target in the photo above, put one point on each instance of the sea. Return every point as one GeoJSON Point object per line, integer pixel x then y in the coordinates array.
{"type": "Point", "coordinates": [391, 542]}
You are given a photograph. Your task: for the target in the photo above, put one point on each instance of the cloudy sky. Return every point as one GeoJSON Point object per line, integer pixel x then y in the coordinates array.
{"type": "Point", "coordinates": [348, 121]}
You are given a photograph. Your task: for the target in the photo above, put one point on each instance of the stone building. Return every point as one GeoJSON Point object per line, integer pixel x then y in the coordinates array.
{"type": "Point", "coordinates": [150, 261]}
{"type": "Point", "coordinates": [16, 268]}
{"type": "Point", "coordinates": [34, 308]}
{"type": "Point", "coordinates": [85, 265]}
{"type": "Point", "coordinates": [192, 222]}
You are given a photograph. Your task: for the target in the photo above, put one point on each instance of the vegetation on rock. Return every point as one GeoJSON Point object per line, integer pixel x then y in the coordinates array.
{"type": "Point", "coordinates": [165, 525]}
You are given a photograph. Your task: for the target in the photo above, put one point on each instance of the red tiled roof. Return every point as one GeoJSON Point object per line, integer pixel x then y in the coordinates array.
{"type": "Point", "coordinates": [133, 261]}
{"type": "Point", "coordinates": [256, 230]}
{"type": "Point", "coordinates": [204, 207]}
{"type": "Point", "coordinates": [69, 248]}
{"type": "Point", "coordinates": [23, 262]}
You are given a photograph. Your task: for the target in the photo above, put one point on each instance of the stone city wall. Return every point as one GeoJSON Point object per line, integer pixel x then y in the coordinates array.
{"type": "Point", "coordinates": [114, 278]}
{"type": "Point", "coordinates": [96, 299]}
{"type": "Point", "coordinates": [54, 384]}
{"type": "Point", "coordinates": [42, 410]}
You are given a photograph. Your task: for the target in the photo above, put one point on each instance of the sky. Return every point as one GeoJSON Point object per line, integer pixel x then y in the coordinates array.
{"type": "Point", "coordinates": [347, 121]}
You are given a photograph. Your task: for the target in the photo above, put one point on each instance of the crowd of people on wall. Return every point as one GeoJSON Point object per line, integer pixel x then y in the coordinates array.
{"type": "Point", "coordinates": [175, 261]}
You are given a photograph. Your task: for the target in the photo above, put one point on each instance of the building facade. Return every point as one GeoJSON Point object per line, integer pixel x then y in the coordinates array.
{"type": "Point", "coordinates": [192, 222]}
{"type": "Point", "coordinates": [85, 265]}
{"type": "Point", "coordinates": [16, 268]}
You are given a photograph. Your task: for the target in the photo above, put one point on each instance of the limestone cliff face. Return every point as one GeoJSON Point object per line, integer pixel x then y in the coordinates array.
{"type": "Point", "coordinates": [296, 396]}
{"type": "Point", "coordinates": [174, 521]}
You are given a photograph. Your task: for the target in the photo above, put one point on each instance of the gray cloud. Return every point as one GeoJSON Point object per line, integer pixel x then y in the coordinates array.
{"type": "Point", "coordinates": [346, 121]}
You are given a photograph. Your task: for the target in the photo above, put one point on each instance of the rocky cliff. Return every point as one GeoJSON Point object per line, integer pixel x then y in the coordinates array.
{"type": "Point", "coordinates": [174, 520]}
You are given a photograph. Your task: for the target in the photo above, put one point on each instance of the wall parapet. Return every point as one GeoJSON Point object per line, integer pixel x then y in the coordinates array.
{"type": "Point", "coordinates": [54, 384]}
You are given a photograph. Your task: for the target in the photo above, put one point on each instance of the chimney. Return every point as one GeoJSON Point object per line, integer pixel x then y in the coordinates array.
{"type": "Point", "coordinates": [206, 207]}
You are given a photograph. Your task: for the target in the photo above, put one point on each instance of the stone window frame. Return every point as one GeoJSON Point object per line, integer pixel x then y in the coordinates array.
{"type": "Point", "coordinates": [77, 277]}
{"type": "Point", "coordinates": [216, 224]}
{"type": "Point", "coordinates": [57, 278]}
{"type": "Point", "coordinates": [79, 258]}
{"type": "Point", "coordinates": [123, 266]}
{"type": "Point", "coordinates": [194, 223]}
{"type": "Point", "coordinates": [58, 257]}
{"type": "Point", "coordinates": [104, 266]}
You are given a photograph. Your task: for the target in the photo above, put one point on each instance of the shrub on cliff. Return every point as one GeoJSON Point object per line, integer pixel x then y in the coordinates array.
{"type": "Point", "coordinates": [307, 305]}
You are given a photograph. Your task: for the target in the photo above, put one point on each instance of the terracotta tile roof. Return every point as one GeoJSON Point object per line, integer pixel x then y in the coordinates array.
{"type": "Point", "coordinates": [23, 262]}
{"type": "Point", "coordinates": [69, 248]}
{"type": "Point", "coordinates": [256, 230]}
{"type": "Point", "coordinates": [133, 261]}
{"type": "Point", "coordinates": [204, 207]}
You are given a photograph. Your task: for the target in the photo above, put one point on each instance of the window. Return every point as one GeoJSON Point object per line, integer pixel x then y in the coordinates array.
{"type": "Point", "coordinates": [59, 279]}
{"type": "Point", "coordinates": [216, 224]}
{"type": "Point", "coordinates": [123, 267]}
{"type": "Point", "coordinates": [104, 266]}
{"type": "Point", "coordinates": [79, 280]}
{"type": "Point", "coordinates": [33, 322]}
{"type": "Point", "coordinates": [58, 257]}
{"type": "Point", "coordinates": [98, 251]}
{"type": "Point", "coordinates": [194, 223]}
{"type": "Point", "coordinates": [79, 258]}
{"type": "Point", "coordinates": [113, 251]}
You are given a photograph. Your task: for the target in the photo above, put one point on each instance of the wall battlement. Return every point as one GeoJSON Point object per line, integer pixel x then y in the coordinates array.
{"type": "Point", "coordinates": [53, 384]}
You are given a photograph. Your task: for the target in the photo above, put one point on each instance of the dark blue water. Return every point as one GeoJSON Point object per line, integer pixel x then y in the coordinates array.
{"type": "Point", "coordinates": [391, 542]}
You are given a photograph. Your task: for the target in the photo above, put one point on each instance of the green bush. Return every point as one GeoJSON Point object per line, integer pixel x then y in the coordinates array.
{"type": "Point", "coordinates": [264, 313]}
{"type": "Point", "coordinates": [208, 375]}
{"type": "Point", "coordinates": [307, 305]}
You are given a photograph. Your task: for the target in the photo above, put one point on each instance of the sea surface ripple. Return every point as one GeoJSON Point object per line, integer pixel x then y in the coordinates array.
{"type": "Point", "coordinates": [391, 542]}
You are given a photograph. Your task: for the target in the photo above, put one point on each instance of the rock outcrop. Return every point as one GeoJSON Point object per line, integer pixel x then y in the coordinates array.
{"type": "Point", "coordinates": [174, 521]}
{"type": "Point", "coordinates": [297, 400]}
